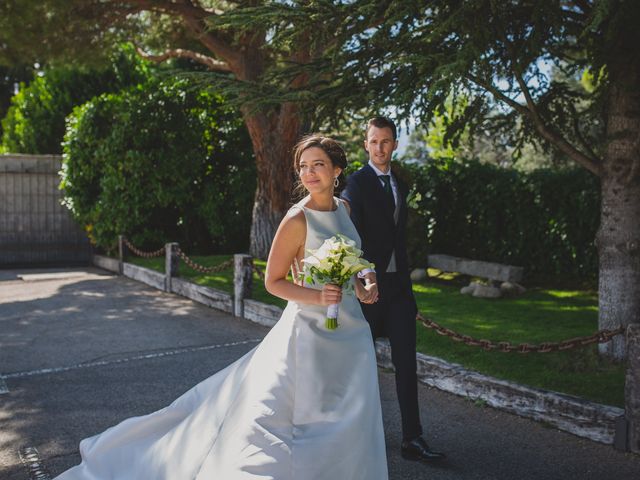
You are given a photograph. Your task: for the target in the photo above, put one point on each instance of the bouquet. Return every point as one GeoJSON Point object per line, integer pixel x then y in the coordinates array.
{"type": "Point", "coordinates": [335, 262]}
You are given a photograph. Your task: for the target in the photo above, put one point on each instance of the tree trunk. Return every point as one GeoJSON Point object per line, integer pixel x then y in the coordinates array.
{"type": "Point", "coordinates": [618, 238]}
{"type": "Point", "coordinates": [273, 136]}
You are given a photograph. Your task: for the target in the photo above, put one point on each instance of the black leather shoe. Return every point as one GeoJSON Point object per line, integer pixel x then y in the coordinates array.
{"type": "Point", "coordinates": [418, 450]}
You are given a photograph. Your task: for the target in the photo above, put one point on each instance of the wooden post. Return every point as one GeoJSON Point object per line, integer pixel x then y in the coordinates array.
{"type": "Point", "coordinates": [242, 282]}
{"type": "Point", "coordinates": [171, 262]}
{"type": "Point", "coordinates": [632, 388]}
{"type": "Point", "coordinates": [121, 247]}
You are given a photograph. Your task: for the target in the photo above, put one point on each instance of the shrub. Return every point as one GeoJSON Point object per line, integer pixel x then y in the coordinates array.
{"type": "Point", "coordinates": [545, 220]}
{"type": "Point", "coordinates": [160, 162]}
{"type": "Point", "coordinates": [35, 121]}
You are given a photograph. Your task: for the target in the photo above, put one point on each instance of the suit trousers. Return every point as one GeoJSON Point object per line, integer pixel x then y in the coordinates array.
{"type": "Point", "coordinates": [394, 317]}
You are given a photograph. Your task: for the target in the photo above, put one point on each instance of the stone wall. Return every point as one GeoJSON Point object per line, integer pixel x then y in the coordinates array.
{"type": "Point", "coordinates": [35, 229]}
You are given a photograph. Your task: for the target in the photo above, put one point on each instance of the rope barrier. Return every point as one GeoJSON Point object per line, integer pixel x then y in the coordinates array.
{"type": "Point", "coordinates": [258, 271]}
{"type": "Point", "coordinates": [201, 268]}
{"type": "Point", "coordinates": [191, 263]}
{"type": "Point", "coordinates": [601, 336]}
{"type": "Point", "coordinates": [141, 253]}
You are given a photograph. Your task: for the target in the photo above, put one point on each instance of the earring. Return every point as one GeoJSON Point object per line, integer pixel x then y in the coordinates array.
{"type": "Point", "coordinates": [336, 182]}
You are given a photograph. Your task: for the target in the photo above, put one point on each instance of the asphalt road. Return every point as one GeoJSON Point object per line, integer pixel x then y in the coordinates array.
{"type": "Point", "coordinates": [81, 350]}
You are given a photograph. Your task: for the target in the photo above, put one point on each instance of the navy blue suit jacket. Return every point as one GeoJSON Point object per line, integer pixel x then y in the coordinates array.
{"type": "Point", "coordinates": [372, 214]}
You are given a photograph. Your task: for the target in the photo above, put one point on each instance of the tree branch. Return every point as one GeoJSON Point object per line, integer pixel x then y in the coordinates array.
{"type": "Point", "coordinates": [531, 106]}
{"type": "Point", "coordinates": [580, 137]}
{"type": "Point", "coordinates": [194, 17]}
{"type": "Point", "coordinates": [214, 43]}
{"type": "Point", "coordinates": [591, 164]}
{"type": "Point", "coordinates": [499, 95]}
{"type": "Point", "coordinates": [210, 62]}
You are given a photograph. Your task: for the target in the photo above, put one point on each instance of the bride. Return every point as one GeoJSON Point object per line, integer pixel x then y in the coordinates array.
{"type": "Point", "coordinates": [302, 405]}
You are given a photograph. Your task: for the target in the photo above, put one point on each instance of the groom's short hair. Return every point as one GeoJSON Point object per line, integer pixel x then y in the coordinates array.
{"type": "Point", "coordinates": [382, 122]}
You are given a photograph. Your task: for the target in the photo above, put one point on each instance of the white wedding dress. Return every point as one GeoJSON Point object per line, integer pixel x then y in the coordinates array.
{"type": "Point", "coordinates": [302, 405]}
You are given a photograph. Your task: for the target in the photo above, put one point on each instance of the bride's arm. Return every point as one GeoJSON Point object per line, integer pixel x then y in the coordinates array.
{"type": "Point", "coordinates": [288, 240]}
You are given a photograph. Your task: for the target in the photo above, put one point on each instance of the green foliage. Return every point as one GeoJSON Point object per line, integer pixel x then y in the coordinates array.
{"type": "Point", "coordinates": [35, 121]}
{"type": "Point", "coordinates": [63, 31]}
{"type": "Point", "coordinates": [545, 220]}
{"type": "Point", "coordinates": [160, 162]}
{"type": "Point", "coordinates": [9, 77]}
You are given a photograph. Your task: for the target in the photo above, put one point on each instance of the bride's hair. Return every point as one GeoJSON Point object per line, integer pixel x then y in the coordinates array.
{"type": "Point", "coordinates": [333, 150]}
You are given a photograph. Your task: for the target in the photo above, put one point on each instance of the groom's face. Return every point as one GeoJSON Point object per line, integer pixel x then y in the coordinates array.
{"type": "Point", "coordinates": [380, 144]}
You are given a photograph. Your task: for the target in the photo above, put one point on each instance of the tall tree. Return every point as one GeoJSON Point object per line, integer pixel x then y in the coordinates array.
{"type": "Point", "coordinates": [492, 59]}
{"type": "Point", "coordinates": [192, 29]}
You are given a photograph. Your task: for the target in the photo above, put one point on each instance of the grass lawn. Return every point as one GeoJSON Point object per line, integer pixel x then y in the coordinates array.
{"type": "Point", "coordinates": [540, 315]}
{"type": "Point", "coordinates": [537, 316]}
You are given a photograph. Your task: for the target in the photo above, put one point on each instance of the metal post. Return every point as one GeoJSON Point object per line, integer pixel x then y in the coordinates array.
{"type": "Point", "coordinates": [171, 262]}
{"type": "Point", "coordinates": [242, 282]}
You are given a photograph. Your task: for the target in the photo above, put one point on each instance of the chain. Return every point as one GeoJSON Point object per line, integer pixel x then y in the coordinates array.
{"type": "Point", "coordinates": [202, 269]}
{"type": "Point", "coordinates": [601, 336]}
{"type": "Point", "coordinates": [258, 271]}
{"type": "Point", "coordinates": [140, 253]}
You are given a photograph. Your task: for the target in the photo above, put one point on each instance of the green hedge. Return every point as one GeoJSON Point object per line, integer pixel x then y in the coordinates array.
{"type": "Point", "coordinates": [35, 121]}
{"type": "Point", "coordinates": [545, 221]}
{"type": "Point", "coordinates": [160, 162]}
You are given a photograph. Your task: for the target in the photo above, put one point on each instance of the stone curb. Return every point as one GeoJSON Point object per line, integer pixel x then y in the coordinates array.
{"type": "Point", "coordinates": [568, 413]}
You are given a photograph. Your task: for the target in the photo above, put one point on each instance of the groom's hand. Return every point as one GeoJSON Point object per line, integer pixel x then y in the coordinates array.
{"type": "Point", "coordinates": [371, 287]}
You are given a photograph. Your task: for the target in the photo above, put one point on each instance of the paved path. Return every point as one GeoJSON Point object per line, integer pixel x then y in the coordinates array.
{"type": "Point", "coordinates": [81, 350]}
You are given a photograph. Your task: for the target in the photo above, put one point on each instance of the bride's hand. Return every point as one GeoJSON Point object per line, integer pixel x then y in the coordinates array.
{"type": "Point", "coordinates": [330, 294]}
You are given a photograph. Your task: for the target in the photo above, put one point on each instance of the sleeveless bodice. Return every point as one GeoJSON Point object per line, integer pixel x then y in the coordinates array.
{"type": "Point", "coordinates": [322, 225]}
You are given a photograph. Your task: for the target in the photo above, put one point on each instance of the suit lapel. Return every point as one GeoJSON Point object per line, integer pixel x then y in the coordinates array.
{"type": "Point", "coordinates": [379, 195]}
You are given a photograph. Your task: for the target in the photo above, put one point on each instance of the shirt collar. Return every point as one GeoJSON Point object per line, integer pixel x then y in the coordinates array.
{"type": "Point", "coordinates": [377, 170]}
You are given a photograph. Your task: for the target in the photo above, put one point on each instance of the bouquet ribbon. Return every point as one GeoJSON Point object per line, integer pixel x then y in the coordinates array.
{"type": "Point", "coordinates": [332, 316]}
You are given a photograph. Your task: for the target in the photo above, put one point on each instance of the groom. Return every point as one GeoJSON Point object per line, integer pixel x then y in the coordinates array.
{"type": "Point", "coordinates": [379, 211]}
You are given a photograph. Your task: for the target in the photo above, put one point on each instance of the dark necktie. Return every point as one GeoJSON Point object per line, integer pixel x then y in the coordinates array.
{"type": "Point", "coordinates": [388, 190]}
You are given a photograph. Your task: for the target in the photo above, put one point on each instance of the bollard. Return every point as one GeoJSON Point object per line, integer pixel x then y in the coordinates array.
{"type": "Point", "coordinates": [632, 388]}
{"type": "Point", "coordinates": [171, 262]}
{"type": "Point", "coordinates": [121, 247]}
{"type": "Point", "coordinates": [242, 280]}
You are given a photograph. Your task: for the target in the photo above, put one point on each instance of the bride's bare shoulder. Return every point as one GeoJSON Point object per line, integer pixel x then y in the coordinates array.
{"type": "Point", "coordinates": [295, 215]}
{"type": "Point", "coordinates": [294, 222]}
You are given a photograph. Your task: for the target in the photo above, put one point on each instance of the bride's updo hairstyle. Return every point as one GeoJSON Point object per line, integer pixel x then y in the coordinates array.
{"type": "Point", "coordinates": [333, 150]}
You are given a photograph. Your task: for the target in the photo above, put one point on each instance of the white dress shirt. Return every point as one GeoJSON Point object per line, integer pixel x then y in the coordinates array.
{"type": "Point", "coordinates": [394, 184]}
